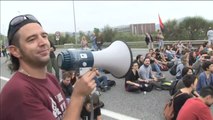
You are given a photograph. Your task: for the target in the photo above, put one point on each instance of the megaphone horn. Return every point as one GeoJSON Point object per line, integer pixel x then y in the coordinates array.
{"type": "Point", "coordinates": [116, 59]}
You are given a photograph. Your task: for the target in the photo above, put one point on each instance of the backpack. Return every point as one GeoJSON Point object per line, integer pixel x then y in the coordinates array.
{"type": "Point", "coordinates": [170, 64]}
{"type": "Point", "coordinates": [164, 68]}
{"type": "Point", "coordinates": [166, 85]}
{"type": "Point", "coordinates": [147, 87]}
{"type": "Point", "coordinates": [173, 71]}
{"type": "Point", "coordinates": [111, 83]}
{"type": "Point", "coordinates": [172, 89]}
{"type": "Point", "coordinates": [169, 109]}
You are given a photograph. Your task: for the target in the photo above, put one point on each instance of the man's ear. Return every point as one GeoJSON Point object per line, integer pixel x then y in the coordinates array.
{"type": "Point", "coordinates": [208, 97]}
{"type": "Point", "coordinates": [14, 51]}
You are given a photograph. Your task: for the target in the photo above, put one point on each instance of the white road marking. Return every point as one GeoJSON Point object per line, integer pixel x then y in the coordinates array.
{"type": "Point", "coordinates": [116, 116]}
{"type": "Point", "coordinates": [4, 78]}
{"type": "Point", "coordinates": [105, 112]}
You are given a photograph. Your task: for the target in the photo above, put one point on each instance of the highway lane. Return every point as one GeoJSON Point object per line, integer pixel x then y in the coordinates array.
{"type": "Point", "coordinates": [118, 102]}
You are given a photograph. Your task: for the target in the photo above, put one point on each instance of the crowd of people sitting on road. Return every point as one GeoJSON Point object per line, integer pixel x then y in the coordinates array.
{"type": "Point", "coordinates": [193, 72]}
{"type": "Point", "coordinates": [193, 80]}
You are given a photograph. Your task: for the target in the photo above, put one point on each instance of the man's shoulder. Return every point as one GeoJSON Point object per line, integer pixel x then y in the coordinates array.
{"type": "Point", "coordinates": [15, 80]}
{"type": "Point", "coordinates": [202, 74]}
{"type": "Point", "coordinates": [142, 67]}
{"type": "Point", "coordinates": [15, 86]}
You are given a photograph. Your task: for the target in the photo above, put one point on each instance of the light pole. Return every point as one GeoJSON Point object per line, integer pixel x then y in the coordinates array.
{"type": "Point", "coordinates": [74, 21]}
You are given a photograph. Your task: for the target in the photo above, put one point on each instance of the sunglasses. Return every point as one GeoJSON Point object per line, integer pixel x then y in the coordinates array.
{"type": "Point", "coordinates": [19, 19]}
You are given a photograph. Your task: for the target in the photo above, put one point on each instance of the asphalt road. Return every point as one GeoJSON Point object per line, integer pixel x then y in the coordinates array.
{"type": "Point", "coordinates": [140, 106]}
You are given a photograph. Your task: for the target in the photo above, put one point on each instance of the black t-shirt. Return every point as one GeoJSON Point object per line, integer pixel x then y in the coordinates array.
{"type": "Point", "coordinates": [179, 102]}
{"type": "Point", "coordinates": [67, 90]}
{"type": "Point", "coordinates": [85, 115]}
{"type": "Point", "coordinates": [131, 77]}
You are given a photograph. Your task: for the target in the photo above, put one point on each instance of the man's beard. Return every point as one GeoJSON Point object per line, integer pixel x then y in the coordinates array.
{"type": "Point", "coordinates": [146, 65]}
{"type": "Point", "coordinates": [33, 62]}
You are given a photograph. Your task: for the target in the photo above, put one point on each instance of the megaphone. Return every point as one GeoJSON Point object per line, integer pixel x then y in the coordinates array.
{"type": "Point", "coordinates": [116, 59]}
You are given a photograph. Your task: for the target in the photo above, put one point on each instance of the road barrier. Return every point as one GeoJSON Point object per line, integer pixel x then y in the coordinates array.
{"type": "Point", "coordinates": [139, 44]}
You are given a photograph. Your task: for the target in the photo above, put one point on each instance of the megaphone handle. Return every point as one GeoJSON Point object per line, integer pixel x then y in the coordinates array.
{"type": "Point", "coordinates": [93, 91]}
{"type": "Point", "coordinates": [92, 107]}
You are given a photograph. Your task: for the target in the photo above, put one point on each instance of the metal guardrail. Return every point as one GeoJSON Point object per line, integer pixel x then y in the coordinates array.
{"type": "Point", "coordinates": [138, 44]}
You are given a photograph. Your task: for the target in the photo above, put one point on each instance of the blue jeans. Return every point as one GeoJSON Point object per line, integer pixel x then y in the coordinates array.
{"type": "Point", "coordinates": [156, 68]}
{"type": "Point", "coordinates": [170, 56]}
{"type": "Point", "coordinates": [161, 44]}
{"type": "Point", "coordinates": [101, 81]}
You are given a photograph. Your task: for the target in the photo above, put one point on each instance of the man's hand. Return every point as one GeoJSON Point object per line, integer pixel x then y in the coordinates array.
{"type": "Point", "coordinates": [155, 79]}
{"type": "Point", "coordinates": [85, 84]}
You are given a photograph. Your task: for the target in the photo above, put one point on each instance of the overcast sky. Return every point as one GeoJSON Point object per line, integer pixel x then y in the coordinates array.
{"type": "Point", "coordinates": [58, 15]}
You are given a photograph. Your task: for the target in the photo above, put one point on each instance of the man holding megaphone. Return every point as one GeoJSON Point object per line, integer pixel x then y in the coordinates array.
{"type": "Point", "coordinates": [32, 92]}
{"type": "Point", "coordinates": [36, 92]}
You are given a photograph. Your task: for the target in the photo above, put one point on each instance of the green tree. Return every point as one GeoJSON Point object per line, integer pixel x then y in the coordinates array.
{"type": "Point", "coordinates": [190, 28]}
{"type": "Point", "coordinates": [96, 31]}
{"type": "Point", "coordinates": [194, 27]}
{"type": "Point", "coordinates": [108, 34]}
{"type": "Point", "coordinates": [171, 31]}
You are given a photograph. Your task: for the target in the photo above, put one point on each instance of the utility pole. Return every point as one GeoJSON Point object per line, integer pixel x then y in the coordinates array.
{"type": "Point", "coordinates": [74, 21]}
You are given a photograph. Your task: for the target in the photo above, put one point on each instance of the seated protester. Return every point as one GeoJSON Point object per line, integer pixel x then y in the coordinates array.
{"type": "Point", "coordinates": [146, 73]}
{"type": "Point", "coordinates": [198, 108]}
{"type": "Point", "coordinates": [185, 71]}
{"type": "Point", "coordinates": [155, 66]}
{"type": "Point", "coordinates": [181, 64]}
{"type": "Point", "coordinates": [170, 54]}
{"type": "Point", "coordinates": [132, 81]}
{"type": "Point", "coordinates": [139, 59]}
{"type": "Point", "coordinates": [73, 77]}
{"type": "Point", "coordinates": [151, 51]}
{"type": "Point", "coordinates": [87, 108]}
{"type": "Point", "coordinates": [160, 55]}
{"type": "Point", "coordinates": [190, 83]}
{"type": "Point", "coordinates": [160, 62]}
{"type": "Point", "coordinates": [197, 66]}
{"type": "Point", "coordinates": [192, 58]}
{"type": "Point", "coordinates": [205, 78]}
{"type": "Point", "coordinates": [180, 46]}
{"type": "Point", "coordinates": [66, 85]}
{"type": "Point", "coordinates": [101, 82]}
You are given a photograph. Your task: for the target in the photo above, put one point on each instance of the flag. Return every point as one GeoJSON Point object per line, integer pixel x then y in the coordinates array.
{"type": "Point", "coordinates": [161, 23]}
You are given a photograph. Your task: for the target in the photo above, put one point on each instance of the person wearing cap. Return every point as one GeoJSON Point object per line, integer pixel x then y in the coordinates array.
{"type": "Point", "coordinates": [88, 107]}
{"type": "Point", "coordinates": [32, 92]}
